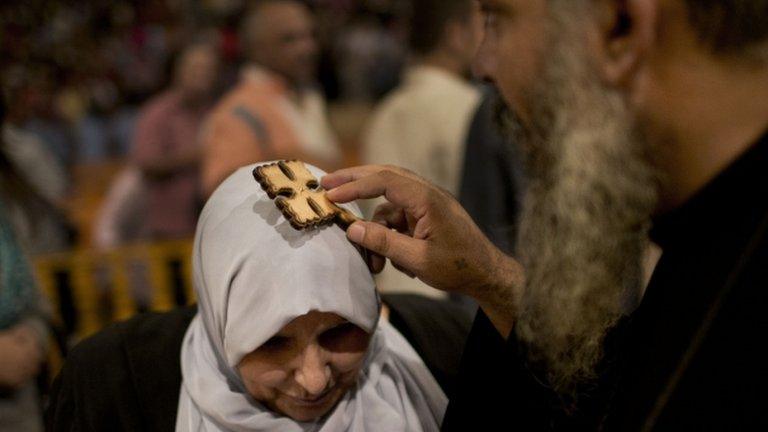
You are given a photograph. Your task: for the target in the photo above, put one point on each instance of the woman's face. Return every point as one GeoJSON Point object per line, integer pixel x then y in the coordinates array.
{"type": "Point", "coordinates": [304, 369]}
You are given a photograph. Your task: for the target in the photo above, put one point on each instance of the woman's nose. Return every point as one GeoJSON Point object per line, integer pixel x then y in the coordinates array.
{"type": "Point", "coordinates": [313, 373]}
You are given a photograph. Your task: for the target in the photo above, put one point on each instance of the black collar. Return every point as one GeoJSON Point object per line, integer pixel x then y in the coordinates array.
{"type": "Point", "coordinates": [732, 202]}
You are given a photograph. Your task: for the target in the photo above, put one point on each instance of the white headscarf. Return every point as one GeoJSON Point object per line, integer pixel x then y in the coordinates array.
{"type": "Point", "coordinates": [253, 274]}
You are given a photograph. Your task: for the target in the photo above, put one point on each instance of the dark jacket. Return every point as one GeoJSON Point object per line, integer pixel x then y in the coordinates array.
{"type": "Point", "coordinates": [491, 178]}
{"type": "Point", "coordinates": [691, 357]}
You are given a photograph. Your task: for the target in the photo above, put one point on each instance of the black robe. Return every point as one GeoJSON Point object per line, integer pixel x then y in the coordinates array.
{"type": "Point", "coordinates": [125, 378]}
{"type": "Point", "coordinates": [128, 376]}
{"type": "Point", "coordinates": [691, 357]}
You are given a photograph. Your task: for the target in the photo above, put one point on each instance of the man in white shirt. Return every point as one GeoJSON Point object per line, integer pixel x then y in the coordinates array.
{"type": "Point", "coordinates": [423, 124]}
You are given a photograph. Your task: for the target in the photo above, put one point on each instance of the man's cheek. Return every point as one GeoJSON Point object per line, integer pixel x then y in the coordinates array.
{"type": "Point", "coordinates": [511, 93]}
{"type": "Point", "coordinates": [517, 79]}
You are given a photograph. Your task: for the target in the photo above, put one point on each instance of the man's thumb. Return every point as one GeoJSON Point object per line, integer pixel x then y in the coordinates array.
{"type": "Point", "coordinates": [399, 248]}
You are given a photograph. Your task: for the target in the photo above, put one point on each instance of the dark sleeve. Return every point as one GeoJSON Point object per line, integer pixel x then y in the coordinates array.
{"type": "Point", "coordinates": [437, 330]}
{"type": "Point", "coordinates": [496, 386]}
{"type": "Point", "coordinates": [93, 391]}
{"type": "Point", "coordinates": [125, 378]}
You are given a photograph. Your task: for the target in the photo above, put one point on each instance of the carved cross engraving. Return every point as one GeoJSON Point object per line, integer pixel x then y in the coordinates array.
{"type": "Point", "coordinates": [297, 193]}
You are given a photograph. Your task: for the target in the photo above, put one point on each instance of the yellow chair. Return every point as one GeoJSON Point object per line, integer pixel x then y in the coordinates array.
{"type": "Point", "coordinates": [89, 289]}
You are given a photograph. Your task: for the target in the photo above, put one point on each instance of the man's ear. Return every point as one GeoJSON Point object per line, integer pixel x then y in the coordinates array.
{"type": "Point", "coordinates": [626, 33]}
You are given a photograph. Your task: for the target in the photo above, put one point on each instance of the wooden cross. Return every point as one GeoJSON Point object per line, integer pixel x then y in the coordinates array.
{"type": "Point", "coordinates": [297, 193]}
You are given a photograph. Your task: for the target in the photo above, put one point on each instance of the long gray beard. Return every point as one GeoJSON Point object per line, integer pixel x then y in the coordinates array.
{"type": "Point", "coordinates": [586, 210]}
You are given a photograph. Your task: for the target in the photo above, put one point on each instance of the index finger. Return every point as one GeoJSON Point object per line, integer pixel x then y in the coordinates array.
{"type": "Point", "coordinates": [346, 175]}
{"type": "Point", "coordinates": [403, 191]}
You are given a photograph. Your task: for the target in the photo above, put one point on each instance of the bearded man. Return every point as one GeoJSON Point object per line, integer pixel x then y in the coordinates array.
{"type": "Point", "coordinates": [638, 119]}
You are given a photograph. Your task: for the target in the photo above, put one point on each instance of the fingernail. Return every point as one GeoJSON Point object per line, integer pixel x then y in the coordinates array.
{"type": "Point", "coordinates": [330, 193]}
{"type": "Point", "coordinates": [356, 232]}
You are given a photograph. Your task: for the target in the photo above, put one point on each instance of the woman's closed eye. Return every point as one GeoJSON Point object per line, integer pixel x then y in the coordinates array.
{"type": "Point", "coordinates": [345, 337]}
{"type": "Point", "coordinates": [276, 343]}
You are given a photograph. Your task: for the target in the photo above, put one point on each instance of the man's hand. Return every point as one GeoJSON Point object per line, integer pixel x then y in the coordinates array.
{"type": "Point", "coordinates": [21, 356]}
{"type": "Point", "coordinates": [426, 233]}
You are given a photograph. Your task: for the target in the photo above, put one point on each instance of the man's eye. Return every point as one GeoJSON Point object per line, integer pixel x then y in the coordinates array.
{"type": "Point", "coordinates": [490, 19]}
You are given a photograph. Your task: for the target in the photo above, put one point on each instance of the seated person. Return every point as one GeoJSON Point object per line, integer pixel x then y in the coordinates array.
{"type": "Point", "coordinates": [287, 337]}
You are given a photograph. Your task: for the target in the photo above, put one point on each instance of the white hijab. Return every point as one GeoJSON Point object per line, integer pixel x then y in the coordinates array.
{"type": "Point", "coordinates": [253, 274]}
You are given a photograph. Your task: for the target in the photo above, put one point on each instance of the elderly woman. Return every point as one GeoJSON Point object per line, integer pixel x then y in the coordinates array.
{"type": "Point", "coordinates": [287, 337]}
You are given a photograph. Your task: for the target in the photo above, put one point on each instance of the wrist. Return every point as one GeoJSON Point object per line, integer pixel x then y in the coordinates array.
{"type": "Point", "coordinates": [498, 295]}
{"type": "Point", "coordinates": [503, 279]}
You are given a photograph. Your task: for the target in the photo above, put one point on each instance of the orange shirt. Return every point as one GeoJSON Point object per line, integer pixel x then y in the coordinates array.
{"type": "Point", "coordinates": [258, 121]}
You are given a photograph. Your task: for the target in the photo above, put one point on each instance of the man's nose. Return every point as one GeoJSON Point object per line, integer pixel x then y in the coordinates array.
{"type": "Point", "coordinates": [313, 373]}
{"type": "Point", "coordinates": [484, 63]}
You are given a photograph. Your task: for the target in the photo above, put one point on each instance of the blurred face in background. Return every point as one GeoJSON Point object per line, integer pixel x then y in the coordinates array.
{"type": "Point", "coordinates": [280, 35]}
{"type": "Point", "coordinates": [196, 72]}
{"type": "Point", "coordinates": [307, 367]}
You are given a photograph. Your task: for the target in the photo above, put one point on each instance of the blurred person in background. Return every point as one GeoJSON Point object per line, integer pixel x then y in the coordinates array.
{"type": "Point", "coordinates": [166, 149]}
{"type": "Point", "coordinates": [22, 325]}
{"type": "Point", "coordinates": [423, 124]}
{"type": "Point", "coordinates": [104, 129]}
{"type": "Point", "coordinates": [47, 120]}
{"type": "Point", "coordinates": [274, 112]}
{"type": "Point", "coordinates": [128, 45]}
{"type": "Point", "coordinates": [26, 149]}
{"type": "Point", "coordinates": [371, 57]}
{"type": "Point", "coordinates": [29, 156]}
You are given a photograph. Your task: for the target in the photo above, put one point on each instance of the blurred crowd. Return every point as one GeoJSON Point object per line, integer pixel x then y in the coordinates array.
{"type": "Point", "coordinates": [75, 75]}
{"type": "Point", "coordinates": [125, 116]}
